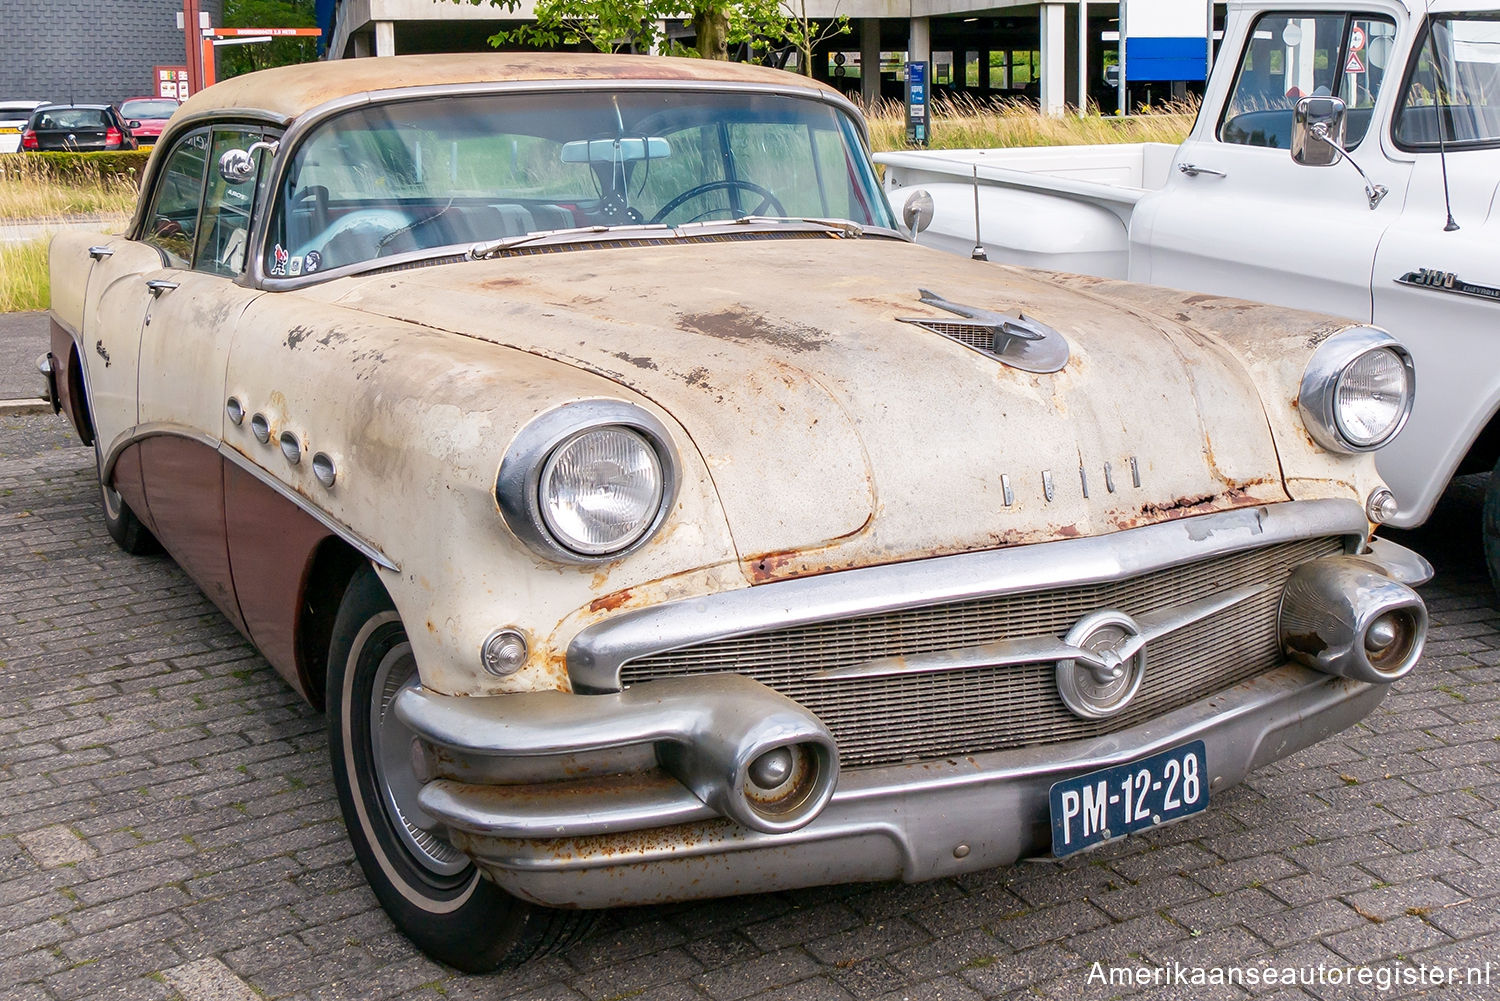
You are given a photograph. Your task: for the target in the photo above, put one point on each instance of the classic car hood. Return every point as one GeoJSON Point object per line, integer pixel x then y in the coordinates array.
{"type": "Point", "coordinates": [837, 435]}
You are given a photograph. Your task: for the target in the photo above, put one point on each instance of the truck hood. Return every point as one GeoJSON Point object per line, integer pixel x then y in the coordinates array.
{"type": "Point", "coordinates": [837, 435]}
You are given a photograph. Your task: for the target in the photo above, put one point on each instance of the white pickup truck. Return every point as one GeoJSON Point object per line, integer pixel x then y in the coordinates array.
{"type": "Point", "coordinates": [1256, 204]}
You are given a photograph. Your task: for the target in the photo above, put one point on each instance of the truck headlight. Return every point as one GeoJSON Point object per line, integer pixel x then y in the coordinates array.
{"type": "Point", "coordinates": [1357, 390]}
{"type": "Point", "coordinates": [589, 481]}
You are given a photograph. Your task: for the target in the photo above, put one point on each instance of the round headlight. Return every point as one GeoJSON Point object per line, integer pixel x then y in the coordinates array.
{"type": "Point", "coordinates": [1357, 390]}
{"type": "Point", "coordinates": [601, 490]}
{"type": "Point", "coordinates": [1371, 398]}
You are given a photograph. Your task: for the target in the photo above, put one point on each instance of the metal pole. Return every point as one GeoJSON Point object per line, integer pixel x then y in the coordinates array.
{"type": "Point", "coordinates": [1124, 96]}
{"type": "Point", "coordinates": [1083, 58]}
{"type": "Point", "coordinates": [194, 43]}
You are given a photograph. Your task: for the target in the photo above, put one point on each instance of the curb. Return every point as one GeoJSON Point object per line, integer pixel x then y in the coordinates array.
{"type": "Point", "coordinates": [16, 408]}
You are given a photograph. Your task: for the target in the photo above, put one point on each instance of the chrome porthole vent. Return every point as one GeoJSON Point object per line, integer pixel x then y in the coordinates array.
{"type": "Point", "coordinates": [235, 410]}
{"type": "Point", "coordinates": [261, 428]}
{"type": "Point", "coordinates": [324, 470]}
{"type": "Point", "coordinates": [291, 448]}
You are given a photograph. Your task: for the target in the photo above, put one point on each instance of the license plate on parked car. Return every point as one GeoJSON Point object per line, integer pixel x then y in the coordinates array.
{"type": "Point", "coordinates": [8, 130]}
{"type": "Point", "coordinates": [1091, 809]}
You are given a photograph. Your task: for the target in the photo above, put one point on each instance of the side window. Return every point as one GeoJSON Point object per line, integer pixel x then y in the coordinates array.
{"type": "Point", "coordinates": [225, 227]}
{"type": "Point", "coordinates": [1453, 88]}
{"type": "Point", "coordinates": [172, 223]}
{"type": "Point", "coordinates": [1291, 56]}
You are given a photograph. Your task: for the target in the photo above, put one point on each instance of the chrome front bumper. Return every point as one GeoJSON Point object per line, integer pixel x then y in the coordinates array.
{"type": "Point", "coordinates": [645, 838]}
{"type": "Point", "coordinates": [646, 794]}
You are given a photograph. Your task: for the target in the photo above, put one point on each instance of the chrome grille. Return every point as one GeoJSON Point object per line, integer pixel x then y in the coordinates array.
{"type": "Point", "coordinates": [881, 720]}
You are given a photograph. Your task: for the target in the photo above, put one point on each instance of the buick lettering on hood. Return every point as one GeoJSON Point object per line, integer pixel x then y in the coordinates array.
{"type": "Point", "coordinates": [654, 520]}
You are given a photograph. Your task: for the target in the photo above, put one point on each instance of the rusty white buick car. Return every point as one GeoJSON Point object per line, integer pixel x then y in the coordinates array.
{"type": "Point", "coordinates": [656, 521]}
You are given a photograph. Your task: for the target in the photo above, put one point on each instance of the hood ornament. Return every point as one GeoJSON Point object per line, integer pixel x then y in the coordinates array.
{"type": "Point", "coordinates": [1018, 341]}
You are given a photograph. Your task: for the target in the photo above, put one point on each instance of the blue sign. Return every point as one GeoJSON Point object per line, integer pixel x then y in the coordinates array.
{"type": "Point", "coordinates": [916, 104]}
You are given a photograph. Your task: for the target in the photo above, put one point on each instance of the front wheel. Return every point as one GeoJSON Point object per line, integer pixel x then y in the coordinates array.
{"type": "Point", "coordinates": [119, 520]}
{"type": "Point", "coordinates": [1492, 527]}
{"type": "Point", "coordinates": [430, 889]}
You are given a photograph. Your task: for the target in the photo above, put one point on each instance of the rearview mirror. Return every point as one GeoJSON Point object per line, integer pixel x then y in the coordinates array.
{"type": "Point", "coordinates": [134, 123]}
{"type": "Point", "coordinates": [1317, 131]}
{"type": "Point", "coordinates": [621, 150]}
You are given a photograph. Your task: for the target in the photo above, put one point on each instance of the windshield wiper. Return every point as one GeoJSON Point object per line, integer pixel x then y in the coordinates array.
{"type": "Point", "coordinates": [841, 227]}
{"type": "Point", "coordinates": [483, 251]}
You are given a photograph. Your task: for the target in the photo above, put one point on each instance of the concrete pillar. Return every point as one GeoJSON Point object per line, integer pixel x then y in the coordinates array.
{"type": "Point", "coordinates": [919, 42]}
{"type": "Point", "coordinates": [1054, 59]}
{"type": "Point", "coordinates": [869, 60]}
{"type": "Point", "coordinates": [361, 43]}
{"type": "Point", "coordinates": [385, 38]}
{"type": "Point", "coordinates": [1072, 61]}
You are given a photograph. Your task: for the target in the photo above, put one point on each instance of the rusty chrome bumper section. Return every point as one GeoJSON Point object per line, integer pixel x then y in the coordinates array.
{"type": "Point", "coordinates": [708, 785]}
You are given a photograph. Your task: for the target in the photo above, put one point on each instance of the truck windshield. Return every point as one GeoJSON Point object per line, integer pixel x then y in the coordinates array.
{"type": "Point", "coordinates": [1453, 90]}
{"type": "Point", "coordinates": [1291, 56]}
{"type": "Point", "coordinates": [393, 178]}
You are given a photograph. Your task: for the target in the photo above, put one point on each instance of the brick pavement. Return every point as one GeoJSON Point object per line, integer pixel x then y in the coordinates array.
{"type": "Point", "coordinates": [169, 828]}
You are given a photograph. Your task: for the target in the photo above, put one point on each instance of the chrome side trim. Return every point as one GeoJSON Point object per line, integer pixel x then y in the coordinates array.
{"type": "Point", "coordinates": [151, 429]}
{"type": "Point", "coordinates": [366, 548]}
{"type": "Point", "coordinates": [597, 653]}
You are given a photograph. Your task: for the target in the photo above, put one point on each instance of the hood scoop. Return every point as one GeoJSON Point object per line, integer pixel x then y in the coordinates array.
{"type": "Point", "coordinates": [1018, 341]}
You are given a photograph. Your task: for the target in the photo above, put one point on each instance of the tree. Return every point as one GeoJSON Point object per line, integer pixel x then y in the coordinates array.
{"type": "Point", "coordinates": [237, 59]}
{"type": "Point", "coordinates": [608, 25]}
{"type": "Point", "coordinates": [804, 34]}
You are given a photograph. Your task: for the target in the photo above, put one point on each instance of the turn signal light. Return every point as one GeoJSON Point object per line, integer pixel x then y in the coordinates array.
{"type": "Point", "coordinates": [112, 137]}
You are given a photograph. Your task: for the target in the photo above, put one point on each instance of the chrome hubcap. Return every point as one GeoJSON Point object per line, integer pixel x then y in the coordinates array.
{"type": "Point", "coordinates": [391, 742]}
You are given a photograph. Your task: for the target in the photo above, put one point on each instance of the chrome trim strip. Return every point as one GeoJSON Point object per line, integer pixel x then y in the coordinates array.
{"type": "Point", "coordinates": [555, 809]}
{"type": "Point", "coordinates": [366, 548]}
{"type": "Point", "coordinates": [598, 652]}
{"type": "Point", "coordinates": [151, 429]}
{"type": "Point", "coordinates": [255, 275]}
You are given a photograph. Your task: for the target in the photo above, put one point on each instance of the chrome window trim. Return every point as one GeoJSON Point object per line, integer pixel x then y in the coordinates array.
{"type": "Point", "coordinates": [309, 120]}
{"type": "Point", "coordinates": [598, 652]}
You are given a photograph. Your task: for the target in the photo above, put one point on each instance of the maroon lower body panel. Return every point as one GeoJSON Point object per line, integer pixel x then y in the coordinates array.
{"type": "Point", "coordinates": [70, 394]}
{"type": "Point", "coordinates": [272, 543]}
{"type": "Point", "coordinates": [184, 482]}
{"type": "Point", "coordinates": [131, 486]}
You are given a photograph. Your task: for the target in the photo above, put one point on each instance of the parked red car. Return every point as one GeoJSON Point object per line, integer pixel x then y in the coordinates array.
{"type": "Point", "coordinates": [146, 115]}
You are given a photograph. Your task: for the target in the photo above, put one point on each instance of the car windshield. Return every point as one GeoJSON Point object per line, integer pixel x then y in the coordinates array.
{"type": "Point", "coordinates": [69, 118]}
{"type": "Point", "coordinates": [393, 178]}
{"type": "Point", "coordinates": [148, 109]}
{"type": "Point", "coordinates": [1453, 91]}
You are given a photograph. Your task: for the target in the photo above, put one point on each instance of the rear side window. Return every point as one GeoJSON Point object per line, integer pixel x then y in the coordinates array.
{"type": "Point", "coordinates": [1289, 56]}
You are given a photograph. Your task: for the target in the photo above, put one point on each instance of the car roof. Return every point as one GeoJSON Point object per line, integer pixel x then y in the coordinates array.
{"type": "Point", "coordinates": [288, 91]}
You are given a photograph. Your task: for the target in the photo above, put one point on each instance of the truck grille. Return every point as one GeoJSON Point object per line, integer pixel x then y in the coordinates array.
{"type": "Point", "coordinates": [884, 720]}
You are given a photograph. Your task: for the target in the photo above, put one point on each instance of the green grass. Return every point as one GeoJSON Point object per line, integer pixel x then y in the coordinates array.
{"type": "Point", "coordinates": [23, 276]}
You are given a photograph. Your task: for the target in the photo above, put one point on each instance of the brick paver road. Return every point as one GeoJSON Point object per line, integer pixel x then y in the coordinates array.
{"type": "Point", "coordinates": [169, 829]}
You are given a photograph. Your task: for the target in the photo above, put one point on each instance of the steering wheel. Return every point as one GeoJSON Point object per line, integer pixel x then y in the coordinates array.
{"type": "Point", "coordinates": [768, 200]}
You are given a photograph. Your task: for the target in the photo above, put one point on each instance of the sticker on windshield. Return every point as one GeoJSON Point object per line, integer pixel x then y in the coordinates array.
{"type": "Point", "coordinates": [294, 267]}
{"type": "Point", "coordinates": [312, 262]}
{"type": "Point", "coordinates": [279, 267]}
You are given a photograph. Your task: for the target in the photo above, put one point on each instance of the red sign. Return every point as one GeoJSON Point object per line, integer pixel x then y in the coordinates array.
{"type": "Point", "coordinates": [1353, 65]}
{"type": "Point", "coordinates": [267, 32]}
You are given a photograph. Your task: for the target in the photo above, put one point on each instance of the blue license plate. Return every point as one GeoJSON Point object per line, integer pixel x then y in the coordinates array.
{"type": "Point", "coordinates": [1091, 809]}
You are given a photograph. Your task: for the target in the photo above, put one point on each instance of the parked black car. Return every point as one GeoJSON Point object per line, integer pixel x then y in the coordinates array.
{"type": "Point", "coordinates": [80, 127]}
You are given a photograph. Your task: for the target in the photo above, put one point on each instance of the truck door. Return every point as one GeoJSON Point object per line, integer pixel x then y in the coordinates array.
{"type": "Point", "coordinates": [1238, 216]}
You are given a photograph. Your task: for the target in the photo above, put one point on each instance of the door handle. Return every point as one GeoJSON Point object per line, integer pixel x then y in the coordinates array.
{"type": "Point", "coordinates": [1193, 170]}
{"type": "Point", "coordinates": [157, 286]}
{"type": "Point", "coordinates": [100, 253]}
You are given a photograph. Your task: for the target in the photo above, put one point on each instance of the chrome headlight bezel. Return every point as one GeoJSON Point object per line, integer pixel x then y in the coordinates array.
{"type": "Point", "coordinates": [518, 486]}
{"type": "Point", "coordinates": [1317, 399]}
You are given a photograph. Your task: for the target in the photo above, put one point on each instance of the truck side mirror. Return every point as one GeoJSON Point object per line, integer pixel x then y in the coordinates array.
{"type": "Point", "coordinates": [917, 212]}
{"type": "Point", "coordinates": [1318, 131]}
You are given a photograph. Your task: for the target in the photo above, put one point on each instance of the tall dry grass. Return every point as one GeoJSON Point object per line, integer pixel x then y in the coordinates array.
{"type": "Point", "coordinates": [964, 122]}
{"type": "Point", "coordinates": [33, 205]}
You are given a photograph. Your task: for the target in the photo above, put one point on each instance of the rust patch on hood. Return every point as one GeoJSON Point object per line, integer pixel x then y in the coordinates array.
{"type": "Point", "coordinates": [745, 326]}
{"type": "Point", "coordinates": [610, 602]}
